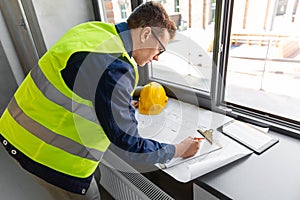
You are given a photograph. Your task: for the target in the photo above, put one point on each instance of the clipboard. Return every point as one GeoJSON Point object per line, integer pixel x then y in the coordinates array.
{"type": "Point", "coordinates": [207, 146]}
{"type": "Point", "coordinates": [251, 136]}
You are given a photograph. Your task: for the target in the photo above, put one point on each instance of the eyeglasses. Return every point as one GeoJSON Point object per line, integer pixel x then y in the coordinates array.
{"type": "Point", "coordinates": [163, 49]}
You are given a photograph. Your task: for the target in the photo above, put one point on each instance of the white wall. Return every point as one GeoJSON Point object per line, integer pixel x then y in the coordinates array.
{"type": "Point", "coordinates": [56, 16]}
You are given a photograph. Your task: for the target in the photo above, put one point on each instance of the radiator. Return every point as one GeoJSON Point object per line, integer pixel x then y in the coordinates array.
{"type": "Point", "coordinates": [127, 183]}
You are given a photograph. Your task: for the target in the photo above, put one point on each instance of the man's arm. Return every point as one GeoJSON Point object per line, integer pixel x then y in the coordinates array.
{"type": "Point", "coordinates": [117, 116]}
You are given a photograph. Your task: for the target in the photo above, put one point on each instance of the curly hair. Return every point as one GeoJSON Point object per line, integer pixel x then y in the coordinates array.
{"type": "Point", "coordinates": [151, 14]}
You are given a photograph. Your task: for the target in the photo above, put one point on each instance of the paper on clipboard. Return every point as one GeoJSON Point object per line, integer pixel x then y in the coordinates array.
{"type": "Point", "coordinates": [205, 148]}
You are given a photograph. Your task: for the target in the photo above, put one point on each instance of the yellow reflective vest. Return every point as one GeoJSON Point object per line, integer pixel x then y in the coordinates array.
{"type": "Point", "coordinates": [47, 121]}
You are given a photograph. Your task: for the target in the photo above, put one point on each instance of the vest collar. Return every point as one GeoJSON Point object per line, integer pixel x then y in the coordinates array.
{"type": "Point", "coordinates": [125, 34]}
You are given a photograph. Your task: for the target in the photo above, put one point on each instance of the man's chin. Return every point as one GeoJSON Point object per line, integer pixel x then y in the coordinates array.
{"type": "Point", "coordinates": [143, 64]}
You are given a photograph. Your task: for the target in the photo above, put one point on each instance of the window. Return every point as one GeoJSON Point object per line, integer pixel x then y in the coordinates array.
{"type": "Point", "coordinates": [114, 11]}
{"type": "Point", "coordinates": [188, 61]}
{"type": "Point", "coordinates": [263, 71]}
{"type": "Point", "coordinates": [176, 6]}
{"type": "Point", "coordinates": [123, 11]}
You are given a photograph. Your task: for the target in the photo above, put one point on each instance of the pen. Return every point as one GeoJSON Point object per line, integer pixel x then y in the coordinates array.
{"type": "Point", "coordinates": [198, 139]}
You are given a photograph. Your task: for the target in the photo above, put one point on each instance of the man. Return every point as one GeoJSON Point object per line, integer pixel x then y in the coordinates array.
{"type": "Point", "coordinates": [78, 100]}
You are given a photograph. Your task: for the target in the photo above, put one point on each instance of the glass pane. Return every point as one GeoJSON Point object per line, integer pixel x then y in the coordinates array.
{"type": "Point", "coordinates": [188, 59]}
{"type": "Point", "coordinates": [114, 11]}
{"type": "Point", "coordinates": [263, 71]}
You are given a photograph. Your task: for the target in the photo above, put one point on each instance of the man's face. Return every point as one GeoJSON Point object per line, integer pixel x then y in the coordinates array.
{"type": "Point", "coordinates": [149, 45]}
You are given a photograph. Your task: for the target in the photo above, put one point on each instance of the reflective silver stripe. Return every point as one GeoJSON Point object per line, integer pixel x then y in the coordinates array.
{"type": "Point", "coordinates": [57, 97]}
{"type": "Point", "coordinates": [50, 137]}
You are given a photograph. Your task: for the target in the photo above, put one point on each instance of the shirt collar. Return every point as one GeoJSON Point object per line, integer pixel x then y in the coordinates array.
{"type": "Point", "coordinates": [125, 34]}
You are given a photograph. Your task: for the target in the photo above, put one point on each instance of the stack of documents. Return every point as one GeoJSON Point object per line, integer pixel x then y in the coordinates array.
{"type": "Point", "coordinates": [180, 120]}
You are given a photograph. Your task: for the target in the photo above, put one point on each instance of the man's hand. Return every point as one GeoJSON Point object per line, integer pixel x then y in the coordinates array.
{"type": "Point", "coordinates": [187, 148]}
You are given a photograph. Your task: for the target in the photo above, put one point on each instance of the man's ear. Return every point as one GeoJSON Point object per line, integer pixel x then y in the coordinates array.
{"type": "Point", "coordinates": [145, 34]}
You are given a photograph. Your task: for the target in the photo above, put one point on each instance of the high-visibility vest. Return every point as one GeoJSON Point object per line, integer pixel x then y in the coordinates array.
{"type": "Point", "coordinates": [47, 121]}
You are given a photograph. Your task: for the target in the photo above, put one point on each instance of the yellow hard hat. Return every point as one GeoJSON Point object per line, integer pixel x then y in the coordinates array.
{"type": "Point", "coordinates": [153, 99]}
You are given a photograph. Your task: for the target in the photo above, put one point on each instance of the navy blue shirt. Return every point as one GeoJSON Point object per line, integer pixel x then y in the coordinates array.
{"type": "Point", "coordinates": [107, 80]}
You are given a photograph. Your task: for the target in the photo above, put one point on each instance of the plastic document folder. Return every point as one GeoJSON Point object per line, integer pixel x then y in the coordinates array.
{"type": "Point", "coordinates": [249, 135]}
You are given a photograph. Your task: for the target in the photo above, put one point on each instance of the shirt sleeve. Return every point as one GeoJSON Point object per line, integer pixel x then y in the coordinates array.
{"type": "Point", "coordinates": [117, 116]}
